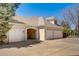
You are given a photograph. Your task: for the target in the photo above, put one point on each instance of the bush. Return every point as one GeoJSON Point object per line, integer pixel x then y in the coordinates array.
{"type": "Point", "coordinates": [66, 32]}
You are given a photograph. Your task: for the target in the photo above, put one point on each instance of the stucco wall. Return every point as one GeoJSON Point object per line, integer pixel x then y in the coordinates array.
{"type": "Point", "coordinates": [20, 33]}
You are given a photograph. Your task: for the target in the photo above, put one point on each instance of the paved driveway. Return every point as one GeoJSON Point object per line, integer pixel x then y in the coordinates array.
{"type": "Point", "coordinates": [58, 47]}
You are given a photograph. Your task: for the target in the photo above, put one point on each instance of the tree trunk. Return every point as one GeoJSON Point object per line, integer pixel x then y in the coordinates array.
{"type": "Point", "coordinates": [78, 27]}
{"type": "Point", "coordinates": [1, 42]}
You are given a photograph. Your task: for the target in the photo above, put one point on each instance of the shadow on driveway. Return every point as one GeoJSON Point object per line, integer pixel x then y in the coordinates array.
{"type": "Point", "coordinates": [28, 43]}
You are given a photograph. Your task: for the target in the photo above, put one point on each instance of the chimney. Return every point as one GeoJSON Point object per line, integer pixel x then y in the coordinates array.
{"type": "Point", "coordinates": [52, 20]}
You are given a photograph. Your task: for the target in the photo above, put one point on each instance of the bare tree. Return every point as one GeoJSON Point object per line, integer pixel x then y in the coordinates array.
{"type": "Point", "coordinates": [70, 16]}
{"type": "Point", "coordinates": [77, 10]}
{"type": "Point", "coordinates": [65, 24]}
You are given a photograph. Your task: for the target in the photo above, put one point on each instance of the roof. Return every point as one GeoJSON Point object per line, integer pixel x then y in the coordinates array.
{"type": "Point", "coordinates": [17, 19]}
{"type": "Point", "coordinates": [36, 21]}
{"type": "Point", "coordinates": [32, 21]}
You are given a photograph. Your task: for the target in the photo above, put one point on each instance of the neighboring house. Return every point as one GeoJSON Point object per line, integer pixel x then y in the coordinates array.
{"type": "Point", "coordinates": [34, 28]}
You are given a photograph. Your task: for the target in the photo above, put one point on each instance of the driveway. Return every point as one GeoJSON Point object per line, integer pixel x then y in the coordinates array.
{"type": "Point", "coordinates": [58, 47]}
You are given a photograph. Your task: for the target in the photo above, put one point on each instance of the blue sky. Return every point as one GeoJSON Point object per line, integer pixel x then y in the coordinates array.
{"type": "Point", "coordinates": [42, 9]}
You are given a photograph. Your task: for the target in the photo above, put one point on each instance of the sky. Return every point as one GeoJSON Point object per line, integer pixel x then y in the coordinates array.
{"type": "Point", "coordinates": [42, 9]}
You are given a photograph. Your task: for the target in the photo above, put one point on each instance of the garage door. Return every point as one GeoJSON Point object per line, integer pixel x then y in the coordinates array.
{"type": "Point", "coordinates": [49, 34]}
{"type": "Point", "coordinates": [58, 34]}
{"type": "Point", "coordinates": [16, 35]}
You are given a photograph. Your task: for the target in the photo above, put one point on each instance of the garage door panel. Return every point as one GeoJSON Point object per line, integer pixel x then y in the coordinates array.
{"type": "Point", "coordinates": [57, 34]}
{"type": "Point", "coordinates": [49, 34]}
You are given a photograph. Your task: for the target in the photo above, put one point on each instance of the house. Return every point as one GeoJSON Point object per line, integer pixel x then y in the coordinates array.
{"type": "Point", "coordinates": [34, 28]}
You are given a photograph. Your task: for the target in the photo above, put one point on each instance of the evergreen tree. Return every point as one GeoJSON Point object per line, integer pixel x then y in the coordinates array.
{"type": "Point", "coordinates": [7, 10]}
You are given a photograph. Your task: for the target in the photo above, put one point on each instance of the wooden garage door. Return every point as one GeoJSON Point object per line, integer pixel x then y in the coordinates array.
{"type": "Point", "coordinates": [58, 34]}
{"type": "Point", "coordinates": [53, 34]}
{"type": "Point", "coordinates": [49, 34]}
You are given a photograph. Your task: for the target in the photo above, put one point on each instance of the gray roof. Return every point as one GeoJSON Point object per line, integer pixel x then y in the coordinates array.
{"type": "Point", "coordinates": [35, 21]}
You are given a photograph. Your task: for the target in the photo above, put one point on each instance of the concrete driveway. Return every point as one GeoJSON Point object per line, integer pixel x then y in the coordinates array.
{"type": "Point", "coordinates": [58, 47]}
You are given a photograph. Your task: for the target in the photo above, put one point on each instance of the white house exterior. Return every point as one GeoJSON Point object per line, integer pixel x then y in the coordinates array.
{"type": "Point", "coordinates": [33, 28]}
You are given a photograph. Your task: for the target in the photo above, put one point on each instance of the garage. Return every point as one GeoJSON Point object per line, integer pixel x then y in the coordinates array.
{"type": "Point", "coordinates": [16, 33]}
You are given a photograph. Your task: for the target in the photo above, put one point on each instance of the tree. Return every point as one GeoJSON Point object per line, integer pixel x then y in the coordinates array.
{"type": "Point", "coordinates": [77, 28]}
{"type": "Point", "coordinates": [66, 28]}
{"type": "Point", "coordinates": [7, 10]}
{"type": "Point", "coordinates": [64, 23]}
{"type": "Point", "coordinates": [69, 15]}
